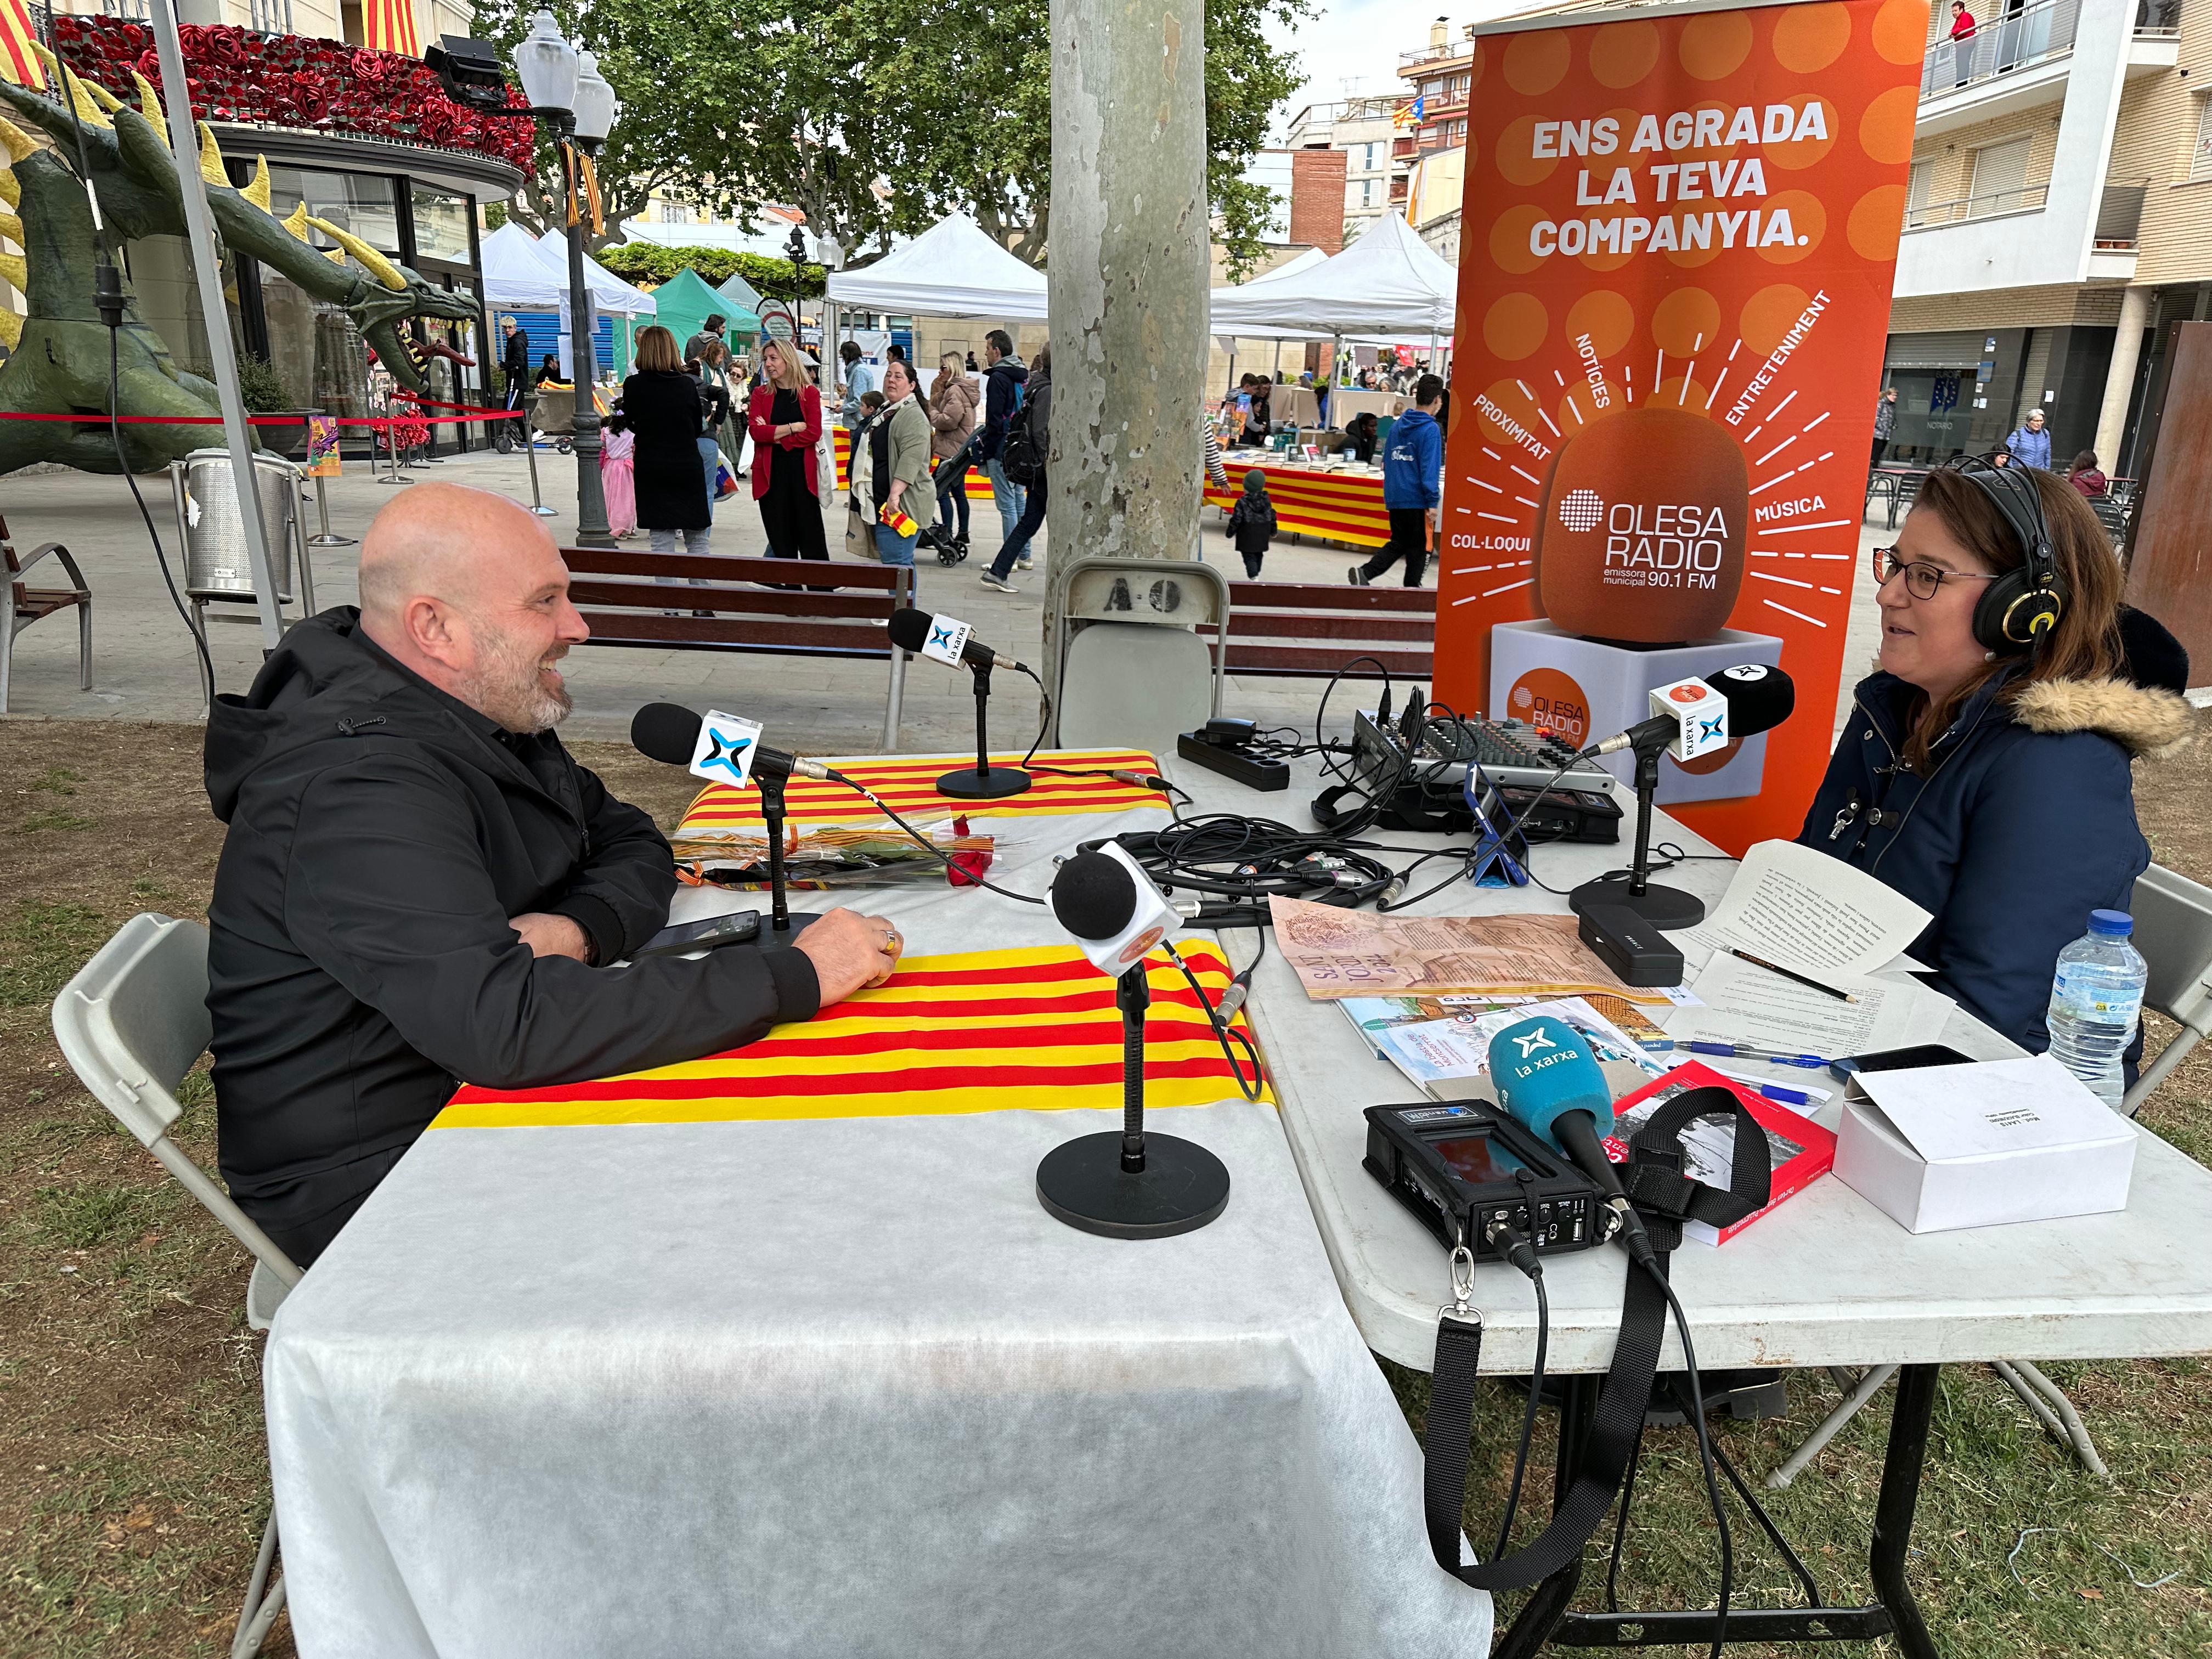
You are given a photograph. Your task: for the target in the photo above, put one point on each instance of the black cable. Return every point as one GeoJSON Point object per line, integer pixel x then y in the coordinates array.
{"type": "Point", "coordinates": [1221, 1030]}
{"type": "Point", "coordinates": [1141, 780]}
{"type": "Point", "coordinates": [1247, 860]}
{"type": "Point", "coordinates": [1704, 1455]}
{"type": "Point", "coordinates": [926, 844]}
{"type": "Point", "coordinates": [1620, 1519]}
{"type": "Point", "coordinates": [1528, 1415]}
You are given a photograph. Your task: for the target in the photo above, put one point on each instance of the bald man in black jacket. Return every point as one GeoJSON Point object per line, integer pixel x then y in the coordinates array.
{"type": "Point", "coordinates": [420, 887]}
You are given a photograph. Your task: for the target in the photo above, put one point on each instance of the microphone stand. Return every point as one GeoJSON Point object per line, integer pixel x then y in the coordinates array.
{"type": "Point", "coordinates": [1662, 907]}
{"type": "Point", "coordinates": [983, 781]}
{"type": "Point", "coordinates": [783, 925]}
{"type": "Point", "coordinates": [1133, 1185]}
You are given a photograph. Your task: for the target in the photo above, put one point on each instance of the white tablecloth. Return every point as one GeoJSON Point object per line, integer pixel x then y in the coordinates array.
{"type": "Point", "coordinates": [840, 1387]}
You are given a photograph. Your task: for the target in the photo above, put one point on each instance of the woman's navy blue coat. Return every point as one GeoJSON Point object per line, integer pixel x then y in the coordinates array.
{"type": "Point", "coordinates": [2024, 823]}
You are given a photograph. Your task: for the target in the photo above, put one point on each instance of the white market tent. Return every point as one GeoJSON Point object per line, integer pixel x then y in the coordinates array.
{"type": "Point", "coordinates": [1390, 282]}
{"type": "Point", "coordinates": [951, 269]}
{"type": "Point", "coordinates": [513, 275]}
{"type": "Point", "coordinates": [610, 294]}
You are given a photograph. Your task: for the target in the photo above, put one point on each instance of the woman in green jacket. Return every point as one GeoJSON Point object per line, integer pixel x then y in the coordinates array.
{"type": "Point", "coordinates": [898, 450]}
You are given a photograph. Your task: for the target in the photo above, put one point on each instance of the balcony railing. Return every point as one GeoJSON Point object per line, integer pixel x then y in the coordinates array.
{"type": "Point", "coordinates": [2119, 216]}
{"type": "Point", "coordinates": [2158, 19]}
{"type": "Point", "coordinates": [1434, 54]}
{"type": "Point", "coordinates": [2000, 46]}
{"type": "Point", "coordinates": [2026, 199]}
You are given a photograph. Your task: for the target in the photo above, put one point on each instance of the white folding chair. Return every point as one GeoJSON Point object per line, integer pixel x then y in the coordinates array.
{"type": "Point", "coordinates": [131, 1023]}
{"type": "Point", "coordinates": [2173, 931]}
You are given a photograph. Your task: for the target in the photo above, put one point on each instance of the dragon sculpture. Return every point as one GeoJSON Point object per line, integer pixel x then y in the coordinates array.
{"type": "Point", "coordinates": [60, 350]}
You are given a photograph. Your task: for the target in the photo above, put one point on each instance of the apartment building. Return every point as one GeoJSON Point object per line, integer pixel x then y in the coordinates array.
{"type": "Point", "coordinates": [1362, 129]}
{"type": "Point", "coordinates": [2058, 221]}
{"type": "Point", "coordinates": [1439, 78]}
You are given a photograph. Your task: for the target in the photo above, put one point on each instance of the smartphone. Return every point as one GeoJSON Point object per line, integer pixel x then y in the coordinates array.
{"type": "Point", "coordinates": [738, 927]}
{"type": "Point", "coordinates": [1898, 1060]}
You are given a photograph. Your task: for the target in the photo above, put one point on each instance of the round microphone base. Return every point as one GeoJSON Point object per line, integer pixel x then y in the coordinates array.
{"type": "Point", "coordinates": [1662, 907]}
{"type": "Point", "coordinates": [968, 784]}
{"type": "Point", "coordinates": [800, 921]}
{"type": "Point", "coordinates": [1182, 1186]}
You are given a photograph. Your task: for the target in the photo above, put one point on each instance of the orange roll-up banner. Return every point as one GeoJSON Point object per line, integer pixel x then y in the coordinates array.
{"type": "Point", "coordinates": [1674, 293]}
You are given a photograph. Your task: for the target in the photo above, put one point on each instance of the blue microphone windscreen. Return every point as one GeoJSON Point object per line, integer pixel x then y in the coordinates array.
{"type": "Point", "coordinates": [1541, 1068]}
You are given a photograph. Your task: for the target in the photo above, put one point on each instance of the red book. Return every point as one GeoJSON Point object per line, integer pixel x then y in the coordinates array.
{"type": "Point", "coordinates": [1800, 1149]}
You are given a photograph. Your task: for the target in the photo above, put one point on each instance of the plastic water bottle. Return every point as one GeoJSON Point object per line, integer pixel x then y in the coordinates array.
{"type": "Point", "coordinates": [2096, 999]}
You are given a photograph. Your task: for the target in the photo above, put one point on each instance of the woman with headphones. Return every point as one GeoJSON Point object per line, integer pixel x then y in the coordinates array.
{"type": "Point", "coordinates": [1985, 771]}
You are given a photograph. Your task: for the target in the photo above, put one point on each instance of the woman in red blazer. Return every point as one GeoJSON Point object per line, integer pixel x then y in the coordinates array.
{"type": "Point", "coordinates": [785, 419]}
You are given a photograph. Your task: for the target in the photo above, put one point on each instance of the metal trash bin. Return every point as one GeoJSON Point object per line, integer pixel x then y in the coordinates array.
{"type": "Point", "coordinates": [217, 564]}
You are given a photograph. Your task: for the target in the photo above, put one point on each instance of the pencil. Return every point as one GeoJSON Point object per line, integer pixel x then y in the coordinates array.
{"type": "Point", "coordinates": [1800, 978]}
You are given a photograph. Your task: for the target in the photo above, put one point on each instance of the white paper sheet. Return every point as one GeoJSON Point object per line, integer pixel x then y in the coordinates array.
{"type": "Point", "coordinates": [1999, 1106]}
{"type": "Point", "coordinates": [1747, 1004]}
{"type": "Point", "coordinates": [1806, 911]}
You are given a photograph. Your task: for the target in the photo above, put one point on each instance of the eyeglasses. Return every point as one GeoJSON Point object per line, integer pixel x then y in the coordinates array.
{"type": "Point", "coordinates": [1921, 581]}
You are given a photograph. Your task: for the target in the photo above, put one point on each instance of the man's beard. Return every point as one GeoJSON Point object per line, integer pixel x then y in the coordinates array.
{"type": "Point", "coordinates": [507, 686]}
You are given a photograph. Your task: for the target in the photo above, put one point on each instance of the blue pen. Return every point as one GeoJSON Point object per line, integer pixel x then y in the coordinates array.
{"type": "Point", "coordinates": [1744, 1051]}
{"type": "Point", "coordinates": [1787, 1097]}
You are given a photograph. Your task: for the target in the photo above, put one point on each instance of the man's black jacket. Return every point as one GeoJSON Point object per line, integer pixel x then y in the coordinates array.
{"type": "Point", "coordinates": [362, 966]}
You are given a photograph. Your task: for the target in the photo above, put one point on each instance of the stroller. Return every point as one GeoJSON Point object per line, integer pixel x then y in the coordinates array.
{"type": "Point", "coordinates": [951, 471]}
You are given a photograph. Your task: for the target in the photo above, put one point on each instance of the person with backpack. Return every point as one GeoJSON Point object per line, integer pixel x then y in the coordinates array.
{"type": "Point", "coordinates": [1022, 459]}
{"type": "Point", "coordinates": [1002, 395]}
{"type": "Point", "coordinates": [1252, 522]}
{"type": "Point", "coordinates": [1413, 486]}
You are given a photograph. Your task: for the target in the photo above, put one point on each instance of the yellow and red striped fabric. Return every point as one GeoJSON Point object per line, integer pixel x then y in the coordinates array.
{"type": "Point", "coordinates": [389, 25]}
{"type": "Point", "coordinates": [840, 441]}
{"type": "Point", "coordinates": [906, 784]}
{"type": "Point", "coordinates": [18, 63]}
{"type": "Point", "coordinates": [1032, 1030]}
{"type": "Point", "coordinates": [1345, 506]}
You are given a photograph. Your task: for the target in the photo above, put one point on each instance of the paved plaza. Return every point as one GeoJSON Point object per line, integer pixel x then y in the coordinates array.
{"type": "Point", "coordinates": [142, 660]}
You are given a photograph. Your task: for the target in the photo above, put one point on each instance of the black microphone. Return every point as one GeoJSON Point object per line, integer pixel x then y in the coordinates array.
{"type": "Point", "coordinates": [1759, 698]}
{"type": "Point", "coordinates": [910, 631]}
{"type": "Point", "coordinates": [668, 731]}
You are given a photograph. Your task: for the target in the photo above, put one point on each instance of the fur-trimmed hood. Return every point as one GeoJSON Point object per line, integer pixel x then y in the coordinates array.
{"type": "Point", "coordinates": [2142, 719]}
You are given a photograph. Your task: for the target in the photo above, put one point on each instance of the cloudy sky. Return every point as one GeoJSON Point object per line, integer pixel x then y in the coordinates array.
{"type": "Point", "coordinates": [1359, 41]}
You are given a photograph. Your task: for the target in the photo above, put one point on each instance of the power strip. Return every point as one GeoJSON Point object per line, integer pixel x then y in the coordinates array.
{"type": "Point", "coordinates": [1253, 771]}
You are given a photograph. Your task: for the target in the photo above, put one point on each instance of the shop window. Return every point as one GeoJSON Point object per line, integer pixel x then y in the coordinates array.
{"type": "Point", "coordinates": [364, 203]}
{"type": "Point", "coordinates": [441, 226]}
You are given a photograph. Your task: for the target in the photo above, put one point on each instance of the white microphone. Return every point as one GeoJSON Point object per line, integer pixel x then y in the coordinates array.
{"type": "Point", "coordinates": [1698, 716]}
{"type": "Point", "coordinates": [1110, 908]}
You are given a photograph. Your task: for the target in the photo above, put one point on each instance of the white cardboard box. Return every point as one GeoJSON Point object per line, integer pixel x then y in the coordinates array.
{"type": "Point", "coordinates": [1940, 1147]}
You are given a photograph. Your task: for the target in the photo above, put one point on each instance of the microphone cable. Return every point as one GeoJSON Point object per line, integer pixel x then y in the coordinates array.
{"type": "Point", "coordinates": [1520, 1254]}
{"type": "Point", "coordinates": [924, 841]}
{"type": "Point", "coordinates": [1697, 1404]}
{"type": "Point", "coordinates": [1219, 1019]}
{"type": "Point", "coordinates": [1120, 774]}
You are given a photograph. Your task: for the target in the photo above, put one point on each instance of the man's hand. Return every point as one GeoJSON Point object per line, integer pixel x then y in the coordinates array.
{"type": "Point", "coordinates": [850, 952]}
{"type": "Point", "coordinates": [552, 936]}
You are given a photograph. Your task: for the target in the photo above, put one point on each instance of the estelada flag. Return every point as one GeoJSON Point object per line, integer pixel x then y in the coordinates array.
{"type": "Point", "coordinates": [18, 63]}
{"type": "Point", "coordinates": [387, 25]}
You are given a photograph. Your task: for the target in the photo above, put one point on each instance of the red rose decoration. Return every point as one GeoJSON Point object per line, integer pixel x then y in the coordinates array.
{"type": "Point", "coordinates": [192, 37]}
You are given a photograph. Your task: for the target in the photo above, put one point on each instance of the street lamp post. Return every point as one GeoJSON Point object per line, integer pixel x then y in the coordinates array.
{"type": "Point", "coordinates": [568, 93]}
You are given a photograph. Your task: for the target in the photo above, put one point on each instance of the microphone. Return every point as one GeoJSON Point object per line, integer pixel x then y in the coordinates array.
{"type": "Point", "coordinates": [1548, 1082]}
{"type": "Point", "coordinates": [946, 640]}
{"type": "Point", "coordinates": [669, 732]}
{"type": "Point", "coordinates": [1756, 698]}
{"type": "Point", "coordinates": [1109, 906]}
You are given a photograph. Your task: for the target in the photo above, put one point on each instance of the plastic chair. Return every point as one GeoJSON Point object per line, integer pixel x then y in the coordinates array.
{"type": "Point", "coordinates": [2173, 931]}
{"type": "Point", "coordinates": [21, 606]}
{"type": "Point", "coordinates": [131, 1024]}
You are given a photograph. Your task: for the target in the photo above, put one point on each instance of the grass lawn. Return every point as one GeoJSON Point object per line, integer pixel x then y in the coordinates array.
{"type": "Point", "coordinates": [137, 1485]}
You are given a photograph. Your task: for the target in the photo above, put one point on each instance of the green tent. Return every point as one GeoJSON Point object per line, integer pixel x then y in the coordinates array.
{"type": "Point", "coordinates": [685, 301]}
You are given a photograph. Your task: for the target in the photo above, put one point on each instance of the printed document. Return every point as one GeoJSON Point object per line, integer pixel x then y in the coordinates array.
{"type": "Point", "coordinates": [1807, 911]}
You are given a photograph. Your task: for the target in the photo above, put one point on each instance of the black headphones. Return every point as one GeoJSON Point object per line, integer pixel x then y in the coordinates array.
{"type": "Point", "coordinates": [2018, 611]}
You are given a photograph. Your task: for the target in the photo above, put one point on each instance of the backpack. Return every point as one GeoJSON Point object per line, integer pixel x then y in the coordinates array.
{"type": "Point", "coordinates": [1022, 456]}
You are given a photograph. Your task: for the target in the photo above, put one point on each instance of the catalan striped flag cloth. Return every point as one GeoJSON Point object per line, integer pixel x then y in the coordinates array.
{"type": "Point", "coordinates": [389, 25]}
{"type": "Point", "coordinates": [18, 63]}
{"type": "Point", "coordinates": [906, 784]}
{"type": "Point", "coordinates": [1030, 1029]}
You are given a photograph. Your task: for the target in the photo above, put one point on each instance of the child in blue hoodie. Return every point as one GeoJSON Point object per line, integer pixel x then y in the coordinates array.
{"type": "Point", "coordinates": [1413, 486]}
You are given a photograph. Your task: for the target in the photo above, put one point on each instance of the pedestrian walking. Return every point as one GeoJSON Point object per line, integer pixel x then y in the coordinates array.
{"type": "Point", "coordinates": [2030, 442]}
{"type": "Point", "coordinates": [1003, 382]}
{"type": "Point", "coordinates": [784, 418]}
{"type": "Point", "coordinates": [514, 369]}
{"type": "Point", "coordinates": [1252, 522]}
{"type": "Point", "coordinates": [953, 407]}
{"type": "Point", "coordinates": [618, 477]}
{"type": "Point", "coordinates": [1413, 486]}
{"type": "Point", "coordinates": [1028, 442]}
{"type": "Point", "coordinates": [859, 377]}
{"type": "Point", "coordinates": [1884, 422]}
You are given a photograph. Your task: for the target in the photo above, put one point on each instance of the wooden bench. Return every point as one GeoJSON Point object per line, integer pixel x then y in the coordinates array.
{"type": "Point", "coordinates": [1306, 631]}
{"type": "Point", "coordinates": [614, 589]}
